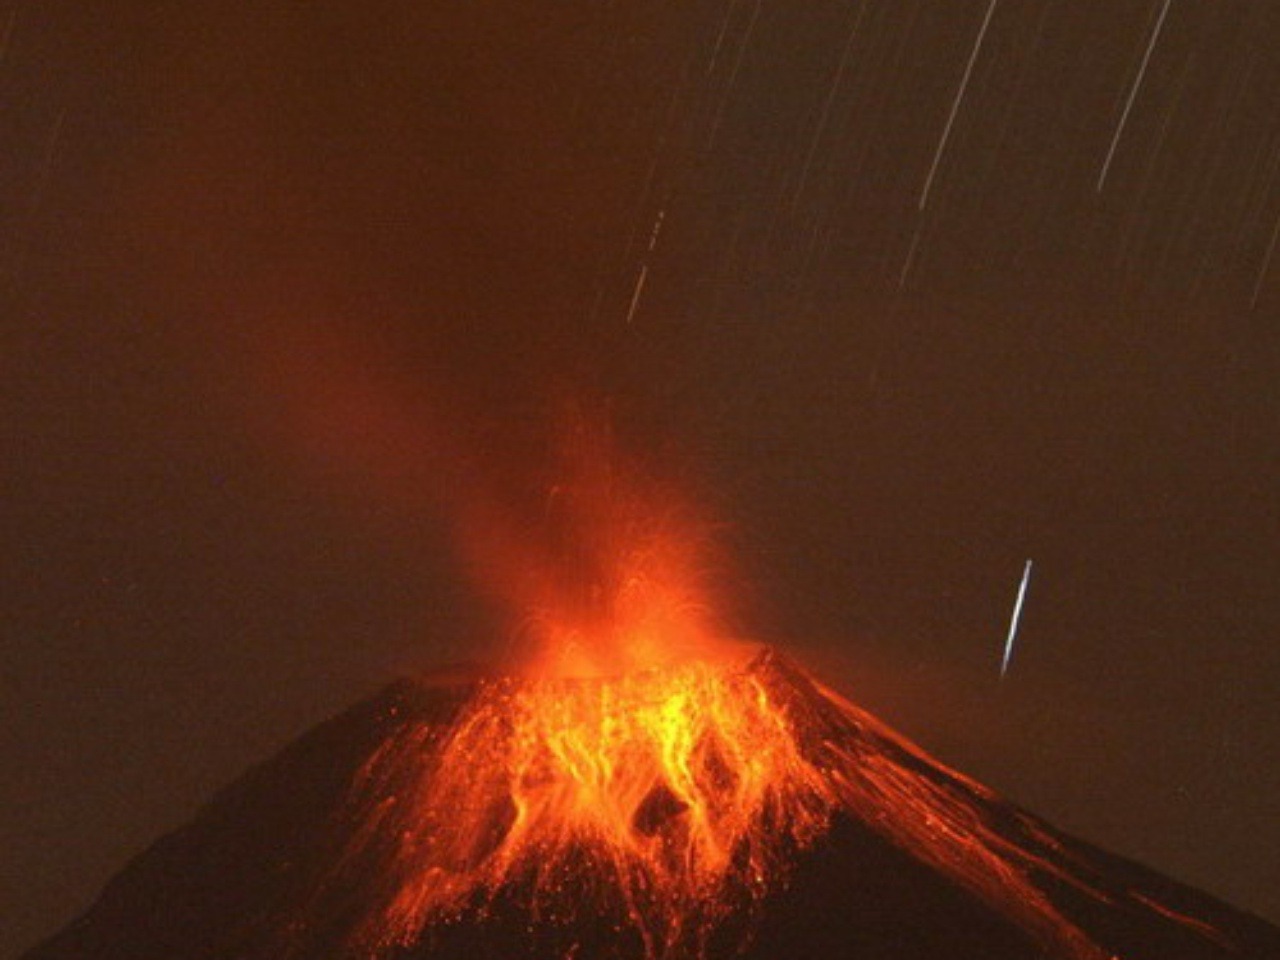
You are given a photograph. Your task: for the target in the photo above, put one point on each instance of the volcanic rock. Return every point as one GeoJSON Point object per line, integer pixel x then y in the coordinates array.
{"type": "Point", "coordinates": [278, 866]}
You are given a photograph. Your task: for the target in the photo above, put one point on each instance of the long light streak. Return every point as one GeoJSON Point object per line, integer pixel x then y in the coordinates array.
{"type": "Point", "coordinates": [1013, 622]}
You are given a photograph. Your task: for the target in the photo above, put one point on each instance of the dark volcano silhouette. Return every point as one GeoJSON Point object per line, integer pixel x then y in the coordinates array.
{"type": "Point", "coordinates": [264, 872]}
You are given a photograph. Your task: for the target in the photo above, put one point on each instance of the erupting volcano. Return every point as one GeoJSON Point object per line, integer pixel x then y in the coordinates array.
{"type": "Point", "coordinates": [668, 799]}
{"type": "Point", "coordinates": [640, 786]}
{"type": "Point", "coordinates": [707, 809]}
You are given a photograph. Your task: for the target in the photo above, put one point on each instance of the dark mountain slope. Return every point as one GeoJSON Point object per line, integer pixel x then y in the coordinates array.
{"type": "Point", "coordinates": [264, 872]}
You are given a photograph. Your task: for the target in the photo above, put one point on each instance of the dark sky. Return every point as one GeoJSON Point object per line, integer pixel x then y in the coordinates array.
{"type": "Point", "coordinates": [906, 292]}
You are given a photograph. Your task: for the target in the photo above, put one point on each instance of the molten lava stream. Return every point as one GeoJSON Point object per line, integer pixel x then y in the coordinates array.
{"type": "Point", "coordinates": [669, 798]}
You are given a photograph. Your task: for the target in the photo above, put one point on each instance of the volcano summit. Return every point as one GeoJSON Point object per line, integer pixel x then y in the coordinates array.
{"type": "Point", "coordinates": [702, 810]}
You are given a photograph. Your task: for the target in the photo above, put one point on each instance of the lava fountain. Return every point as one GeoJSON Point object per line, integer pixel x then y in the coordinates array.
{"type": "Point", "coordinates": [636, 769]}
{"type": "Point", "coordinates": [645, 769]}
{"type": "Point", "coordinates": [637, 785]}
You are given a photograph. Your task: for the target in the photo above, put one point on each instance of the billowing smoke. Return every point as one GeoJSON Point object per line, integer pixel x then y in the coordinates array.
{"type": "Point", "coordinates": [405, 239]}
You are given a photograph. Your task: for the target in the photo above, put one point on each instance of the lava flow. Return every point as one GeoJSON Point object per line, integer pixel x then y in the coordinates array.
{"type": "Point", "coordinates": [643, 775]}
{"type": "Point", "coordinates": [669, 800]}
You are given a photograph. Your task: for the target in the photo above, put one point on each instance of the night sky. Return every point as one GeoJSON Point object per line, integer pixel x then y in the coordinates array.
{"type": "Point", "coordinates": [903, 292]}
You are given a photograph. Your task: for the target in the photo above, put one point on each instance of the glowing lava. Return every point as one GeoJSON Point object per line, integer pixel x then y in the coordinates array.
{"type": "Point", "coordinates": [640, 775]}
{"type": "Point", "coordinates": [668, 801]}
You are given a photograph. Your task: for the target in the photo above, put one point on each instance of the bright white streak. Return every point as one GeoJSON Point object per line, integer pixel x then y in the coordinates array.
{"type": "Point", "coordinates": [1133, 95]}
{"type": "Point", "coordinates": [1013, 623]}
{"type": "Point", "coordinates": [955, 104]}
{"type": "Point", "coordinates": [639, 289]}
{"type": "Point", "coordinates": [644, 267]}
